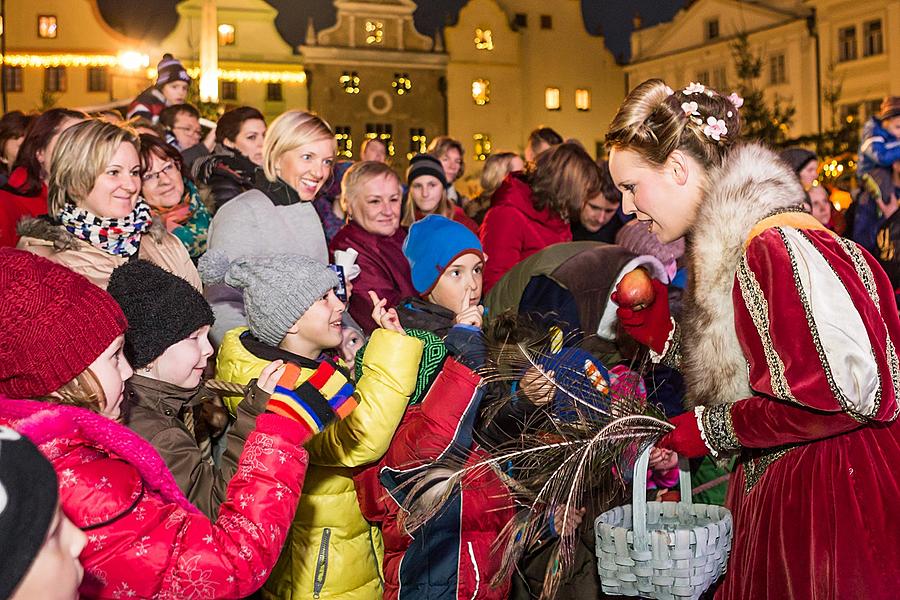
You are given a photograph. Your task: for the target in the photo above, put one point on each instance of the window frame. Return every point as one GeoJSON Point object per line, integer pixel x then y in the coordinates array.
{"type": "Point", "coordinates": [547, 95]}
{"type": "Point", "coordinates": [55, 26]}
{"type": "Point", "coordinates": [842, 43]}
{"type": "Point", "coordinates": [61, 80]}
{"type": "Point", "coordinates": [707, 29]}
{"type": "Point", "coordinates": [270, 87]}
{"type": "Point", "coordinates": [232, 86]}
{"type": "Point", "coordinates": [867, 37]}
{"type": "Point", "coordinates": [91, 71]}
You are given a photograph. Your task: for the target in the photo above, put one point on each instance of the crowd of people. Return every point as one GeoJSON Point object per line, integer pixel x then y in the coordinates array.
{"type": "Point", "coordinates": [229, 361]}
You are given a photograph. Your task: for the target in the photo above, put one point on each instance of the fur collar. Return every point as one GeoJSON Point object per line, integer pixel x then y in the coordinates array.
{"type": "Point", "coordinates": [44, 229]}
{"type": "Point", "coordinates": [751, 185]}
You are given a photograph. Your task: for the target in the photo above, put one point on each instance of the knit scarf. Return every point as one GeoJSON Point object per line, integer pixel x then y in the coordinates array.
{"type": "Point", "coordinates": [116, 236]}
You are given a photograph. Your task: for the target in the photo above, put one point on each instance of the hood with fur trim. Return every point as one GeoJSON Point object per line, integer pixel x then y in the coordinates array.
{"type": "Point", "coordinates": [751, 185]}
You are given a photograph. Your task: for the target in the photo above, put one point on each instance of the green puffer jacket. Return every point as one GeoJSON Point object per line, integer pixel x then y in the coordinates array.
{"type": "Point", "coordinates": [332, 551]}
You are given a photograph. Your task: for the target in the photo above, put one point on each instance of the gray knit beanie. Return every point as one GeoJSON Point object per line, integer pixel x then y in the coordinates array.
{"type": "Point", "coordinates": [277, 288]}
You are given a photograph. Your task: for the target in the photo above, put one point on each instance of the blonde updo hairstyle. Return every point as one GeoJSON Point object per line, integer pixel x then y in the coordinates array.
{"type": "Point", "coordinates": [289, 131]}
{"type": "Point", "coordinates": [652, 123]}
{"type": "Point", "coordinates": [81, 154]}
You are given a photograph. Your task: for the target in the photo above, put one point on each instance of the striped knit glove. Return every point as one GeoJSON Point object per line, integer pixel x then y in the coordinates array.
{"type": "Point", "coordinates": [316, 402]}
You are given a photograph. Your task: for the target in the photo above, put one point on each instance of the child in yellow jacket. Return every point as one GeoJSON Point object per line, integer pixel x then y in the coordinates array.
{"type": "Point", "coordinates": [294, 316]}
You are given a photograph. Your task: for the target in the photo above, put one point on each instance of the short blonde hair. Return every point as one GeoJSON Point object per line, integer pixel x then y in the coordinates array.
{"type": "Point", "coordinates": [357, 176]}
{"type": "Point", "coordinates": [81, 154]}
{"type": "Point", "coordinates": [291, 130]}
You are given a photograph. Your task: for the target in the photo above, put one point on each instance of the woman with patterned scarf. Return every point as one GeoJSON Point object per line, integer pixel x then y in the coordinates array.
{"type": "Point", "coordinates": [172, 196]}
{"type": "Point", "coordinates": [97, 219]}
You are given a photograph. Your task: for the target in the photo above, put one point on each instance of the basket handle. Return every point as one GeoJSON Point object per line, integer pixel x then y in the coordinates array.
{"type": "Point", "coordinates": [639, 495]}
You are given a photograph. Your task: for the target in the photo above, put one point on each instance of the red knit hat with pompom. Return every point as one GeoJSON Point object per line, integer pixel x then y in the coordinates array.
{"type": "Point", "coordinates": [53, 324]}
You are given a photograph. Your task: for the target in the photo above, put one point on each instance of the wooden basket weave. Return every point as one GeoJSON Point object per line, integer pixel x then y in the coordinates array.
{"type": "Point", "coordinates": [662, 550]}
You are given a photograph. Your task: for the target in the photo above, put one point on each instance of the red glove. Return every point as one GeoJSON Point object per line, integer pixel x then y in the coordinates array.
{"type": "Point", "coordinates": [685, 439]}
{"type": "Point", "coordinates": [650, 325]}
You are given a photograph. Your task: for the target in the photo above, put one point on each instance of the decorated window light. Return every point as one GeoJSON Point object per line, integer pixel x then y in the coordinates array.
{"type": "Point", "coordinates": [47, 27]}
{"type": "Point", "coordinates": [383, 132]}
{"type": "Point", "coordinates": [344, 142]}
{"type": "Point", "coordinates": [484, 39]}
{"type": "Point", "coordinates": [481, 91]}
{"type": "Point", "coordinates": [402, 84]}
{"type": "Point", "coordinates": [226, 34]}
{"type": "Point", "coordinates": [418, 142]}
{"type": "Point", "coordinates": [482, 146]}
{"type": "Point", "coordinates": [350, 82]}
{"type": "Point", "coordinates": [551, 98]}
{"type": "Point", "coordinates": [374, 32]}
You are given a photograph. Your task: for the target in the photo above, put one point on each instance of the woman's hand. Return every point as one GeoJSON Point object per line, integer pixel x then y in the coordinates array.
{"type": "Point", "coordinates": [270, 375]}
{"type": "Point", "coordinates": [469, 314]}
{"type": "Point", "coordinates": [384, 318]}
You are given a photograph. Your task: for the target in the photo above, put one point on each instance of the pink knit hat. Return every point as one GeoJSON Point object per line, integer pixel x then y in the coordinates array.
{"type": "Point", "coordinates": [53, 324]}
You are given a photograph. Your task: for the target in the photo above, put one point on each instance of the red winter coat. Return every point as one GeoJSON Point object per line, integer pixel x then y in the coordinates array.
{"type": "Point", "coordinates": [145, 540]}
{"type": "Point", "coordinates": [383, 269]}
{"type": "Point", "coordinates": [513, 229]}
{"type": "Point", "coordinates": [14, 207]}
{"type": "Point", "coordinates": [451, 557]}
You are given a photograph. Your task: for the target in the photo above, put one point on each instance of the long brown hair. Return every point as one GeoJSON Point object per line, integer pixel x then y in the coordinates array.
{"type": "Point", "coordinates": [444, 207]}
{"type": "Point", "coordinates": [652, 122]}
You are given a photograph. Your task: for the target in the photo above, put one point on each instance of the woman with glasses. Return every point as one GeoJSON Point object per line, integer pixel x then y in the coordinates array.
{"type": "Point", "coordinates": [172, 196]}
{"type": "Point", "coordinates": [97, 219]}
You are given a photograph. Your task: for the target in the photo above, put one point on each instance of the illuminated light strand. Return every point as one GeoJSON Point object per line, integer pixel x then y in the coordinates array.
{"type": "Point", "coordinates": [241, 75]}
{"type": "Point", "coordinates": [125, 60]}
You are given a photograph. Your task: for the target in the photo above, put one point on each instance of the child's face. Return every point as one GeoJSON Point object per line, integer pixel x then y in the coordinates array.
{"type": "Point", "coordinates": [426, 192]}
{"type": "Point", "coordinates": [892, 126]}
{"type": "Point", "coordinates": [111, 369]}
{"type": "Point", "coordinates": [319, 328]}
{"type": "Point", "coordinates": [182, 364]}
{"type": "Point", "coordinates": [56, 572]}
{"type": "Point", "coordinates": [459, 281]}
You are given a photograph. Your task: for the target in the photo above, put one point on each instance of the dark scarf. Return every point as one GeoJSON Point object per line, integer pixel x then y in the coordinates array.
{"type": "Point", "coordinates": [279, 192]}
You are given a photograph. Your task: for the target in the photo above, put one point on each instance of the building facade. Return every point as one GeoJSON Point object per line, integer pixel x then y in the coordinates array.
{"type": "Point", "coordinates": [373, 74]}
{"type": "Point", "coordinates": [519, 64]}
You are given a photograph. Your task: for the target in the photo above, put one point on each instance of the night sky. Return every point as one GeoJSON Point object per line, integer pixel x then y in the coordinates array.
{"type": "Point", "coordinates": [612, 18]}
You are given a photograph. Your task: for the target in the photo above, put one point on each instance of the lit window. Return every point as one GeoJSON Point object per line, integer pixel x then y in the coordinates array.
{"type": "Point", "coordinates": [274, 92]}
{"type": "Point", "coordinates": [383, 132]}
{"type": "Point", "coordinates": [484, 39]}
{"type": "Point", "coordinates": [402, 84]}
{"type": "Point", "coordinates": [418, 143]}
{"type": "Point", "coordinates": [1, 24]}
{"type": "Point", "coordinates": [344, 142]}
{"type": "Point", "coordinates": [374, 32]}
{"type": "Point", "coordinates": [226, 34]}
{"type": "Point", "coordinates": [777, 71]}
{"type": "Point", "coordinates": [350, 82]}
{"type": "Point", "coordinates": [481, 91]}
{"type": "Point", "coordinates": [546, 21]}
{"type": "Point", "coordinates": [873, 42]}
{"type": "Point", "coordinates": [98, 79]}
{"type": "Point", "coordinates": [55, 79]}
{"type": "Point", "coordinates": [482, 146]}
{"type": "Point", "coordinates": [583, 99]}
{"type": "Point", "coordinates": [711, 29]}
{"type": "Point", "coordinates": [47, 26]}
{"type": "Point", "coordinates": [551, 98]}
{"type": "Point", "coordinates": [229, 90]}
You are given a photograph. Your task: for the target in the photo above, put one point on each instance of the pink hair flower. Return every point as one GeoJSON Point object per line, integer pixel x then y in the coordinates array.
{"type": "Point", "coordinates": [715, 128]}
{"type": "Point", "coordinates": [694, 88]}
{"type": "Point", "coordinates": [669, 91]}
{"type": "Point", "coordinates": [689, 108]}
{"type": "Point", "coordinates": [736, 100]}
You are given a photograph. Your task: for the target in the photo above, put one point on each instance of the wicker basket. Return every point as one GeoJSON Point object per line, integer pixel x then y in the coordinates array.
{"type": "Point", "coordinates": [663, 550]}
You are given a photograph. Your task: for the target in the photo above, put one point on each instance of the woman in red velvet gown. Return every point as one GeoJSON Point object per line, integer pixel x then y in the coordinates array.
{"type": "Point", "coordinates": [788, 344]}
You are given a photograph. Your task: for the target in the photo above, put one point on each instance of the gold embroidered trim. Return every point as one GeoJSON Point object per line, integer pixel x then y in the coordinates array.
{"type": "Point", "coordinates": [672, 356]}
{"type": "Point", "coordinates": [757, 462]}
{"type": "Point", "coordinates": [868, 280]}
{"type": "Point", "coordinates": [814, 331]}
{"type": "Point", "coordinates": [758, 307]}
{"type": "Point", "coordinates": [718, 429]}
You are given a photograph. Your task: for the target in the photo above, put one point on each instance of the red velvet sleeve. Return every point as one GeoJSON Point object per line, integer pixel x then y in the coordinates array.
{"type": "Point", "coordinates": [816, 321]}
{"type": "Point", "coordinates": [371, 278]}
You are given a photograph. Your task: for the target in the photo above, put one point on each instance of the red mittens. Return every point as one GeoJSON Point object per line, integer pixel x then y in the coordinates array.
{"type": "Point", "coordinates": [685, 439]}
{"type": "Point", "coordinates": [652, 324]}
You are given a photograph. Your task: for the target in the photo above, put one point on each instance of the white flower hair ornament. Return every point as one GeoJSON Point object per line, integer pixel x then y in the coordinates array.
{"type": "Point", "coordinates": [735, 99]}
{"type": "Point", "coordinates": [694, 88]}
{"type": "Point", "coordinates": [690, 108]}
{"type": "Point", "coordinates": [715, 128]}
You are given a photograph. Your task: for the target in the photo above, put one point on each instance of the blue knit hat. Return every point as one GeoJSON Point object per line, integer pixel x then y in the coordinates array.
{"type": "Point", "coordinates": [432, 244]}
